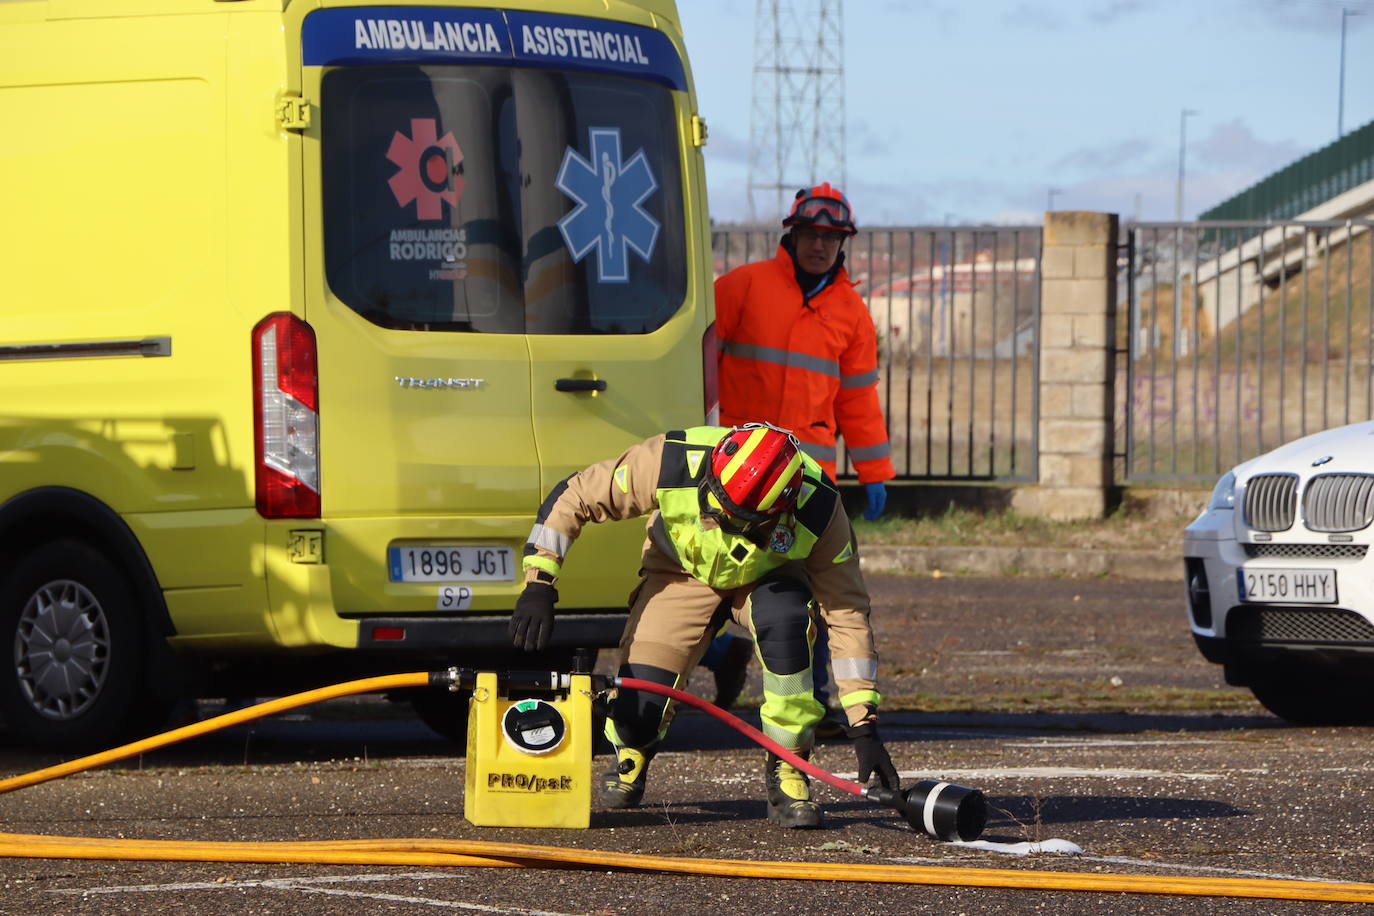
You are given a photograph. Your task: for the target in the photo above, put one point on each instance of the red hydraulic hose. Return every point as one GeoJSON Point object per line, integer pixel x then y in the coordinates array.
{"type": "Point", "coordinates": [943, 810]}
{"type": "Point", "coordinates": [634, 683]}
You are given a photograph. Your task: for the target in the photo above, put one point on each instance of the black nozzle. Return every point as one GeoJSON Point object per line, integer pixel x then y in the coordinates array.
{"type": "Point", "coordinates": [939, 809]}
{"type": "Point", "coordinates": [584, 660]}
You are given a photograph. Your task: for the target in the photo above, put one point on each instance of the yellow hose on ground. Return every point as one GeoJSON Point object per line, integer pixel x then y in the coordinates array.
{"type": "Point", "coordinates": [196, 729]}
{"type": "Point", "coordinates": [450, 853]}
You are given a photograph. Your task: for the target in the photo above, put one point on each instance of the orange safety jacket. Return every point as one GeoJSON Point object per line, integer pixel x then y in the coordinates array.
{"type": "Point", "coordinates": [808, 365]}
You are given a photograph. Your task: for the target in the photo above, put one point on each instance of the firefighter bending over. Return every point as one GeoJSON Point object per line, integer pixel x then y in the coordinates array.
{"type": "Point", "coordinates": [741, 525]}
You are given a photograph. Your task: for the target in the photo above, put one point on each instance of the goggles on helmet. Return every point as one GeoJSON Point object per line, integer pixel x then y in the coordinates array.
{"type": "Point", "coordinates": [755, 475]}
{"type": "Point", "coordinates": [822, 206]}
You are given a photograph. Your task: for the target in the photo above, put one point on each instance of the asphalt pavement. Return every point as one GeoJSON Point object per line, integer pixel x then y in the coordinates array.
{"type": "Point", "coordinates": [1105, 744]}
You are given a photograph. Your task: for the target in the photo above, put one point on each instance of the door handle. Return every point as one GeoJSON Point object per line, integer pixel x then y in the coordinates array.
{"type": "Point", "coordinates": [579, 384]}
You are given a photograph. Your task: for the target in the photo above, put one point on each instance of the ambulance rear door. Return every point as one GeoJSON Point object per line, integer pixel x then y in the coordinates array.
{"type": "Point", "coordinates": [615, 331]}
{"type": "Point", "coordinates": [505, 282]}
{"type": "Point", "coordinates": [428, 466]}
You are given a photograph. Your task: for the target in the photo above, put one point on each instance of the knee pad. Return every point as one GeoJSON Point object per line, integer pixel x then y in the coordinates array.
{"type": "Point", "coordinates": [780, 610]}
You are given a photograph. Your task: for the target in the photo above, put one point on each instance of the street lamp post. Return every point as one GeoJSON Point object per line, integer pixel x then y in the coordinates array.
{"type": "Point", "coordinates": [1340, 98]}
{"type": "Point", "coordinates": [1180, 343]}
{"type": "Point", "coordinates": [1182, 143]}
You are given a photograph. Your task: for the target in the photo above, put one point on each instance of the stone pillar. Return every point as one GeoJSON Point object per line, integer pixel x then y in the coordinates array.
{"type": "Point", "coordinates": [1077, 340]}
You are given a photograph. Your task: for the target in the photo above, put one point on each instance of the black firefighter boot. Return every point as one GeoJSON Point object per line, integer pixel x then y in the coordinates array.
{"type": "Point", "coordinates": [789, 794]}
{"type": "Point", "coordinates": [622, 786]}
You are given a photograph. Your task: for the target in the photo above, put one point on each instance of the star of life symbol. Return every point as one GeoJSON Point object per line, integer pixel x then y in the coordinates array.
{"type": "Point", "coordinates": [609, 215]}
{"type": "Point", "coordinates": [427, 164]}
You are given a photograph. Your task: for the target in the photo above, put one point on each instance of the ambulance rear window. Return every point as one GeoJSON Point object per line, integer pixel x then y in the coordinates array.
{"type": "Point", "coordinates": [502, 199]}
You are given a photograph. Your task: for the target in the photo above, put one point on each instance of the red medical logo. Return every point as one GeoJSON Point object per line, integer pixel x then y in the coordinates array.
{"type": "Point", "coordinates": [428, 168]}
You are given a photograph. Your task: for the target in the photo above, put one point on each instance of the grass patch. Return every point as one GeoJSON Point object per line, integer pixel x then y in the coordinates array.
{"type": "Point", "coordinates": [1124, 529]}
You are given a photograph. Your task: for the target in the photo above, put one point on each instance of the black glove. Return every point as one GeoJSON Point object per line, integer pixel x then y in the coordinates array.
{"type": "Point", "coordinates": [873, 758]}
{"type": "Point", "coordinates": [531, 624]}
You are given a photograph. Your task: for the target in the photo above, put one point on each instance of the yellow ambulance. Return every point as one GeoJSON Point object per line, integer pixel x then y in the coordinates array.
{"type": "Point", "coordinates": [304, 307]}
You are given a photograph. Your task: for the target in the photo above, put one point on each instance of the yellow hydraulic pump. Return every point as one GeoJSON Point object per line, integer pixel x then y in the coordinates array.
{"type": "Point", "coordinates": [529, 761]}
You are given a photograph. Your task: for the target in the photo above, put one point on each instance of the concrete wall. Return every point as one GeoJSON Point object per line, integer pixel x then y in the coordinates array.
{"type": "Point", "coordinates": [1077, 339]}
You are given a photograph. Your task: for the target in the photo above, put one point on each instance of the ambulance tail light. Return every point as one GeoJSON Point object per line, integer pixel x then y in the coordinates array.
{"type": "Point", "coordinates": [710, 378]}
{"type": "Point", "coordinates": [286, 418]}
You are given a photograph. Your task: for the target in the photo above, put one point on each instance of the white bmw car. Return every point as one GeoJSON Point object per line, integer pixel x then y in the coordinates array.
{"type": "Point", "coordinates": [1280, 581]}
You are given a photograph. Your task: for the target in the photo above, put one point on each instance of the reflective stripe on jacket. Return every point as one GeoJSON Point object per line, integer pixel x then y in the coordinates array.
{"type": "Point", "coordinates": [810, 366]}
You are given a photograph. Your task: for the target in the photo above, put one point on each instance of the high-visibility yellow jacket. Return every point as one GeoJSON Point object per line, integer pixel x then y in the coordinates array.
{"type": "Point", "coordinates": [808, 365]}
{"type": "Point", "coordinates": [815, 542]}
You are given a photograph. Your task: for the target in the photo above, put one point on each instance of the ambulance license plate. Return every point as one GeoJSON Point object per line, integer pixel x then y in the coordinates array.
{"type": "Point", "coordinates": [451, 563]}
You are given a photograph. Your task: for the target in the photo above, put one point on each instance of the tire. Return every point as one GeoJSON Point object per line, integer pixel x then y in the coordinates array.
{"type": "Point", "coordinates": [73, 645]}
{"type": "Point", "coordinates": [1309, 694]}
{"type": "Point", "coordinates": [445, 713]}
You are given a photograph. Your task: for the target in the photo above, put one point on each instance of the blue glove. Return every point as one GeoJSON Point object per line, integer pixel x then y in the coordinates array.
{"type": "Point", "coordinates": [877, 499]}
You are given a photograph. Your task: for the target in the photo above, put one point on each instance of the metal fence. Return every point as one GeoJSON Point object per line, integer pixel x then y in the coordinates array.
{"type": "Point", "coordinates": [1239, 336]}
{"type": "Point", "coordinates": [957, 311]}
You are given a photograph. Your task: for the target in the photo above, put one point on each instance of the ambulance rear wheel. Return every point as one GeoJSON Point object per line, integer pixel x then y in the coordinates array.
{"type": "Point", "coordinates": [444, 712]}
{"type": "Point", "coordinates": [74, 650]}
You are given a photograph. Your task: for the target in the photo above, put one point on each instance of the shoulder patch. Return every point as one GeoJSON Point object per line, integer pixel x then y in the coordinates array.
{"type": "Point", "coordinates": [622, 478]}
{"type": "Point", "coordinates": [846, 554]}
{"type": "Point", "coordinates": [815, 506]}
{"type": "Point", "coordinates": [673, 472]}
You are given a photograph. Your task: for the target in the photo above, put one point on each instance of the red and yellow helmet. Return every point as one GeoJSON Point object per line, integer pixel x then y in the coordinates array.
{"type": "Point", "coordinates": [756, 472]}
{"type": "Point", "coordinates": [824, 207]}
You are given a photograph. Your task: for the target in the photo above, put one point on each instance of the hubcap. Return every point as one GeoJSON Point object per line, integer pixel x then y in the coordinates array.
{"type": "Point", "coordinates": [62, 649]}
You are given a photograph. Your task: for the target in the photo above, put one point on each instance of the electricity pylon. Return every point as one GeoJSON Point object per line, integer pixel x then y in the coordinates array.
{"type": "Point", "coordinates": [797, 132]}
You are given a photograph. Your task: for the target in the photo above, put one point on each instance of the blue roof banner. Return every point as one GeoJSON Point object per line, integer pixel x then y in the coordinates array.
{"type": "Point", "coordinates": [403, 34]}
{"type": "Point", "coordinates": [599, 45]}
{"type": "Point", "coordinates": [427, 34]}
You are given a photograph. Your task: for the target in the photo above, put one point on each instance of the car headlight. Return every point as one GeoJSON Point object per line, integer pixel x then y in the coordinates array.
{"type": "Point", "coordinates": [1224, 493]}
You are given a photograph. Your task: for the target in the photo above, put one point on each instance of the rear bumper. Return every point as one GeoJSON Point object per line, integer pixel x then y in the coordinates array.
{"type": "Point", "coordinates": [571, 630]}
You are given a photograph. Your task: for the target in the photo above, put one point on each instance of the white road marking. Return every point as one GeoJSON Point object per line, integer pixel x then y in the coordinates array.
{"type": "Point", "coordinates": [1126, 860]}
{"type": "Point", "coordinates": [741, 780]}
{"type": "Point", "coordinates": [1049, 773]}
{"type": "Point", "coordinates": [1111, 742]}
{"type": "Point", "coordinates": [427, 901]}
{"type": "Point", "coordinates": [1238, 872]}
{"type": "Point", "coordinates": [1054, 847]}
{"type": "Point", "coordinates": [928, 731]}
{"type": "Point", "coordinates": [311, 885]}
{"type": "Point", "coordinates": [1021, 739]}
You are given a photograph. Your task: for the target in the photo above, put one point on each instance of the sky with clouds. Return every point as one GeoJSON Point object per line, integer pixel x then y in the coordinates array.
{"type": "Point", "coordinates": [971, 111]}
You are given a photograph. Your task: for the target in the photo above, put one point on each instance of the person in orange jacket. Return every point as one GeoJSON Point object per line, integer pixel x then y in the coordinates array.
{"type": "Point", "coordinates": [798, 350]}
